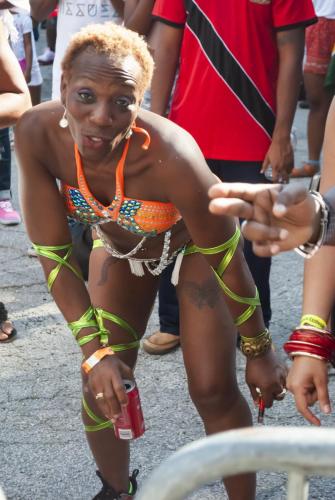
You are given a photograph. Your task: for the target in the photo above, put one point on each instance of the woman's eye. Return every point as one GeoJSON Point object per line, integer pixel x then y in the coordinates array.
{"type": "Point", "coordinates": [123, 102]}
{"type": "Point", "coordinates": [85, 96]}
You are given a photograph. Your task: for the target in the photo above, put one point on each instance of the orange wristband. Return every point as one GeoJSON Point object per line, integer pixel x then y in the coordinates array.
{"type": "Point", "coordinates": [95, 358]}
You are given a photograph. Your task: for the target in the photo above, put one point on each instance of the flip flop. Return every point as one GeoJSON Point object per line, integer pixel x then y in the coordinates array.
{"type": "Point", "coordinates": [6, 324]}
{"type": "Point", "coordinates": [10, 335]}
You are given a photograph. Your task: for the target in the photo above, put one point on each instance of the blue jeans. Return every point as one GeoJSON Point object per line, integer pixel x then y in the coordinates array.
{"type": "Point", "coordinates": [5, 164]}
{"type": "Point", "coordinates": [229, 171]}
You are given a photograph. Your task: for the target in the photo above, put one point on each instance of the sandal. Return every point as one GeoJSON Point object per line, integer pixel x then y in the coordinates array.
{"type": "Point", "coordinates": [307, 169]}
{"type": "Point", "coordinates": [6, 326]}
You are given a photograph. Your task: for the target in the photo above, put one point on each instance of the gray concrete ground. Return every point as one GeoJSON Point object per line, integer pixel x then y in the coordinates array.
{"type": "Point", "coordinates": [43, 452]}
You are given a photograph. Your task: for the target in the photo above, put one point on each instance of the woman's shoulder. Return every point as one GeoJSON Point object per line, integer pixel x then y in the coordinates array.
{"type": "Point", "coordinates": [170, 141]}
{"type": "Point", "coordinates": [40, 122]}
{"type": "Point", "coordinates": [167, 136]}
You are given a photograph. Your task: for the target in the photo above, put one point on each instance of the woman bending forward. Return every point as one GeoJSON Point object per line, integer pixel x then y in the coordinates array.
{"type": "Point", "coordinates": [141, 183]}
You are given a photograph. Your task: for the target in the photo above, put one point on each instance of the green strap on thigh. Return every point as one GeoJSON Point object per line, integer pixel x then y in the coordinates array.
{"type": "Point", "coordinates": [100, 424]}
{"type": "Point", "coordinates": [88, 319]}
{"type": "Point", "coordinates": [101, 315]}
{"type": "Point", "coordinates": [229, 247]}
{"type": "Point", "coordinates": [49, 252]}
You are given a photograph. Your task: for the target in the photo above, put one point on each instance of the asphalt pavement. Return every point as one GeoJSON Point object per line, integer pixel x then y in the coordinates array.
{"type": "Point", "coordinates": [43, 452]}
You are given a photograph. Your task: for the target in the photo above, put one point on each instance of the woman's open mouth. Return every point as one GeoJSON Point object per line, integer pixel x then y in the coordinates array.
{"type": "Point", "coordinates": [95, 142]}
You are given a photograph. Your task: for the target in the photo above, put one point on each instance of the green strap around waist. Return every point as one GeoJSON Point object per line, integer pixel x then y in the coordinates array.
{"type": "Point", "coordinates": [101, 314]}
{"type": "Point", "coordinates": [100, 423]}
{"type": "Point", "coordinates": [97, 244]}
{"type": "Point", "coordinates": [229, 247]}
{"type": "Point", "coordinates": [49, 252]}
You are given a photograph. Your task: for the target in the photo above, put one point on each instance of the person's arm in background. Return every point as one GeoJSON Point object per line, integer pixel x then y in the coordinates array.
{"type": "Point", "coordinates": [118, 6]}
{"type": "Point", "coordinates": [40, 9]}
{"type": "Point", "coordinates": [308, 377]}
{"type": "Point", "coordinates": [28, 51]}
{"type": "Point", "coordinates": [280, 156]}
{"type": "Point", "coordinates": [137, 15]}
{"type": "Point", "coordinates": [14, 93]}
{"type": "Point", "coordinates": [167, 41]}
{"type": "Point", "coordinates": [5, 5]}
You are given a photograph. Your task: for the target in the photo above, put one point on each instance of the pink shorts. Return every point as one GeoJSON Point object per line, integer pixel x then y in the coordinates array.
{"type": "Point", "coordinates": [320, 39]}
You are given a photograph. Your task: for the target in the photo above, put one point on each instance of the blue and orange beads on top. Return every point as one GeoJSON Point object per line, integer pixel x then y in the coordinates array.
{"type": "Point", "coordinates": [78, 208]}
{"type": "Point", "coordinates": [141, 217]}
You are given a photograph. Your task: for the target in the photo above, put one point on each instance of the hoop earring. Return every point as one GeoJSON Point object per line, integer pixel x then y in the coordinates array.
{"type": "Point", "coordinates": [129, 134]}
{"type": "Point", "coordinates": [63, 123]}
{"type": "Point", "coordinates": [146, 134]}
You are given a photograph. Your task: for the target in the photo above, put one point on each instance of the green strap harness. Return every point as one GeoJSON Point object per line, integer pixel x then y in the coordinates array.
{"type": "Point", "coordinates": [95, 317]}
{"type": "Point", "coordinates": [229, 247]}
{"type": "Point", "coordinates": [100, 424]}
{"type": "Point", "coordinates": [91, 318]}
{"type": "Point", "coordinates": [49, 252]}
{"type": "Point", "coordinates": [88, 319]}
{"type": "Point", "coordinates": [97, 244]}
{"type": "Point", "coordinates": [101, 314]}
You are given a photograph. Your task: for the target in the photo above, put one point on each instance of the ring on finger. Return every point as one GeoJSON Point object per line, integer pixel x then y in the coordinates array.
{"type": "Point", "coordinates": [99, 395]}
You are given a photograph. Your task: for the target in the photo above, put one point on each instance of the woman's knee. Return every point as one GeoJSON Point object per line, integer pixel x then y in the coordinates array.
{"type": "Point", "coordinates": [214, 396]}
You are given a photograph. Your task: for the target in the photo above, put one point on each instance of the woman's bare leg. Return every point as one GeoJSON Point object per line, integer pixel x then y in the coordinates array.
{"type": "Point", "coordinates": [319, 99]}
{"type": "Point", "coordinates": [113, 288]}
{"type": "Point", "coordinates": [35, 94]}
{"type": "Point", "coordinates": [208, 339]}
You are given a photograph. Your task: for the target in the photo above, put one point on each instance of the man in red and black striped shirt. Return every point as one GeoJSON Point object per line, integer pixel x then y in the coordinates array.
{"type": "Point", "coordinates": [236, 93]}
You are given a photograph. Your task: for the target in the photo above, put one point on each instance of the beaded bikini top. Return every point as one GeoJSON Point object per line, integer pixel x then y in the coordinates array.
{"type": "Point", "coordinates": [141, 217]}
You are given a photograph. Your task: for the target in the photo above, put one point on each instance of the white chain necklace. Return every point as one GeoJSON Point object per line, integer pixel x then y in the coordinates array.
{"type": "Point", "coordinates": [136, 265]}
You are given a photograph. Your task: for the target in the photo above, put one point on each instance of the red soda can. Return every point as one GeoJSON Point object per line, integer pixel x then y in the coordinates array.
{"type": "Point", "coordinates": [130, 424]}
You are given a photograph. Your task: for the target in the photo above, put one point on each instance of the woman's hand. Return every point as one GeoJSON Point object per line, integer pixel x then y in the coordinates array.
{"type": "Point", "coordinates": [280, 158]}
{"type": "Point", "coordinates": [278, 218]}
{"type": "Point", "coordinates": [266, 373]}
{"type": "Point", "coordinates": [308, 381]}
{"type": "Point", "coordinates": [106, 379]}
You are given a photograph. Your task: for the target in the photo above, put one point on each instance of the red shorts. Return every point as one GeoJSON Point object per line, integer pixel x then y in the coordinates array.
{"type": "Point", "coordinates": [320, 39]}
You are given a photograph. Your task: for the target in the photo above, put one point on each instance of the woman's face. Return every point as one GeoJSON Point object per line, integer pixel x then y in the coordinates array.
{"type": "Point", "coordinates": [101, 98]}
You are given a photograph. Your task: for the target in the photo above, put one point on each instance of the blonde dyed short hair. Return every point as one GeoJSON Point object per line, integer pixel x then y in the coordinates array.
{"type": "Point", "coordinates": [115, 42]}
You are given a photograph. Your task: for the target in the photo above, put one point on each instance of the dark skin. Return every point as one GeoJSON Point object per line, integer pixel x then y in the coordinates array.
{"type": "Point", "coordinates": [28, 51]}
{"type": "Point", "coordinates": [290, 44]}
{"type": "Point", "coordinates": [102, 100]}
{"type": "Point", "coordinates": [137, 15]}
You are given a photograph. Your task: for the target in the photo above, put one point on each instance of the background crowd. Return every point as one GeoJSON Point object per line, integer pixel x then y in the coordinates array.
{"type": "Point", "coordinates": [165, 34]}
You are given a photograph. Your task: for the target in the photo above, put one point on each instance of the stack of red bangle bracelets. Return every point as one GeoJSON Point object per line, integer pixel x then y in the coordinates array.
{"type": "Point", "coordinates": [312, 342]}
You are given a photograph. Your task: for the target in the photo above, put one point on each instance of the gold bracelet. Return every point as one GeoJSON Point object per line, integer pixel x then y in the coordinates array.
{"type": "Point", "coordinates": [253, 347]}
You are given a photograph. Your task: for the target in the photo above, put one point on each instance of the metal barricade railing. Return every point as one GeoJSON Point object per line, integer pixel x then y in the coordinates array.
{"type": "Point", "coordinates": [299, 451]}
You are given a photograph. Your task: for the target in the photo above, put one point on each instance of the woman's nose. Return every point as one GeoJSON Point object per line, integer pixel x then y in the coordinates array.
{"type": "Point", "coordinates": [101, 115]}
